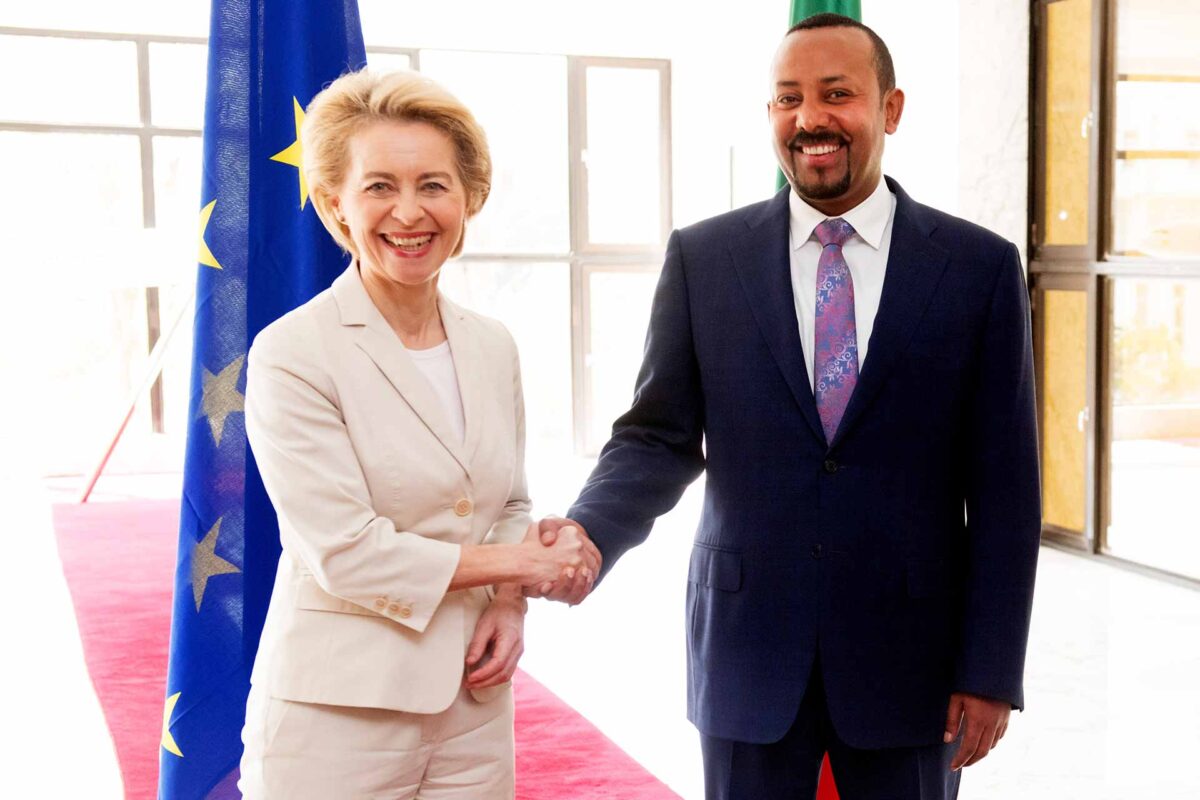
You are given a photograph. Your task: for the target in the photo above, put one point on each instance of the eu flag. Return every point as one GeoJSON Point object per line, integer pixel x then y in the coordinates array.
{"type": "Point", "coordinates": [262, 253]}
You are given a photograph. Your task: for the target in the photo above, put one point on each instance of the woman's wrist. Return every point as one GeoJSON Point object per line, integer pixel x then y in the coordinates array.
{"type": "Point", "coordinates": [489, 564]}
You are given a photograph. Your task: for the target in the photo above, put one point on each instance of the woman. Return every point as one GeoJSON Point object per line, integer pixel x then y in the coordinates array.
{"type": "Point", "coordinates": [388, 426]}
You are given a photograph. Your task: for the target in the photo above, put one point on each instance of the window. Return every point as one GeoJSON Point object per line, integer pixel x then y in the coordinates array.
{"type": "Point", "coordinates": [1116, 276]}
{"type": "Point", "coordinates": [577, 219]}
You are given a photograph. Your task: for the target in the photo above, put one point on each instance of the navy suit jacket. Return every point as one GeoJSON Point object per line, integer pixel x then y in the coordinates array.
{"type": "Point", "coordinates": [903, 551]}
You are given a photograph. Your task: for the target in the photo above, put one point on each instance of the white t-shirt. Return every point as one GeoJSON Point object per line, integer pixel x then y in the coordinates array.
{"type": "Point", "coordinates": [437, 365]}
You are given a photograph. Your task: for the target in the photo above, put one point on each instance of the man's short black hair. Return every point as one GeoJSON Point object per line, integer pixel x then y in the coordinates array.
{"type": "Point", "coordinates": [885, 71]}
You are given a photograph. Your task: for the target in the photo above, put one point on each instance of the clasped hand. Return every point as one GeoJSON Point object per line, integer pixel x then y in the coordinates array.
{"type": "Point", "coordinates": [566, 561]}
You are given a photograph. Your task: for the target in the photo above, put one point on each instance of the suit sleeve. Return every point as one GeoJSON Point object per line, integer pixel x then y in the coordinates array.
{"type": "Point", "coordinates": [656, 448]}
{"type": "Point", "coordinates": [319, 491]}
{"type": "Point", "coordinates": [1003, 498]}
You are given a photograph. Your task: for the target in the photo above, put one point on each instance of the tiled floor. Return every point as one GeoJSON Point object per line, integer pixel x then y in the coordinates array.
{"type": "Point", "coordinates": [1113, 681]}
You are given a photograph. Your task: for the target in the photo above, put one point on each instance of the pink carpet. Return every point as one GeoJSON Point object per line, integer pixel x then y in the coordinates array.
{"type": "Point", "coordinates": [119, 561]}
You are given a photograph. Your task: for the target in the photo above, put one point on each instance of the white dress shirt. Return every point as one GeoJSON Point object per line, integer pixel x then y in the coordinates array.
{"type": "Point", "coordinates": [437, 365]}
{"type": "Point", "coordinates": [866, 254]}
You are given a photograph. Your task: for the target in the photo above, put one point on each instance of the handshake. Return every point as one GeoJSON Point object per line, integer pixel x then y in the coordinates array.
{"type": "Point", "coordinates": [559, 561]}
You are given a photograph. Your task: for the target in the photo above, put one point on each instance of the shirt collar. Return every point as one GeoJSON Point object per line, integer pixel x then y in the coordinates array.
{"type": "Point", "coordinates": [869, 218]}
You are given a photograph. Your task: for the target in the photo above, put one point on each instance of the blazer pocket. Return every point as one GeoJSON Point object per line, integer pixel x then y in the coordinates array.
{"type": "Point", "coordinates": [312, 597]}
{"type": "Point", "coordinates": [929, 578]}
{"type": "Point", "coordinates": [718, 569]}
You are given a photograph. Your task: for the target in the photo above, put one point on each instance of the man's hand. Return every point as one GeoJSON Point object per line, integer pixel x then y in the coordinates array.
{"type": "Point", "coordinates": [569, 590]}
{"type": "Point", "coordinates": [500, 636]}
{"type": "Point", "coordinates": [983, 721]}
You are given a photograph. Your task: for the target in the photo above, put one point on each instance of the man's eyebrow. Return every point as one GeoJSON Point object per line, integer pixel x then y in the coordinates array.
{"type": "Point", "coordinates": [826, 80]}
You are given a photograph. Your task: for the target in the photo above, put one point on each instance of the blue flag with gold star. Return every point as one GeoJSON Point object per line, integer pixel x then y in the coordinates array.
{"type": "Point", "coordinates": [262, 253]}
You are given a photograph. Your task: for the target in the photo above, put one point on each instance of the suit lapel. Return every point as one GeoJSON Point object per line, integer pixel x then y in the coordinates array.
{"type": "Point", "coordinates": [764, 268]}
{"type": "Point", "coordinates": [915, 265]}
{"type": "Point", "coordinates": [375, 337]}
{"type": "Point", "coordinates": [469, 367]}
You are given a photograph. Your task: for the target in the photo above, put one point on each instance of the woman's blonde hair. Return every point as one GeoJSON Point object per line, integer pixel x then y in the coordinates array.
{"type": "Point", "coordinates": [360, 98]}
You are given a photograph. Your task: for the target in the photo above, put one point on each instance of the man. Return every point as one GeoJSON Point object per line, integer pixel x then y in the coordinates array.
{"type": "Point", "coordinates": [854, 372]}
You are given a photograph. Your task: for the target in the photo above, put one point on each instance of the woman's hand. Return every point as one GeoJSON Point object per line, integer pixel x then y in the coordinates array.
{"type": "Point", "coordinates": [498, 641]}
{"type": "Point", "coordinates": [546, 563]}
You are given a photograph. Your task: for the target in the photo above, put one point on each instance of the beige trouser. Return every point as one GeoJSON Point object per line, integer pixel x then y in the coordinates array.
{"type": "Point", "coordinates": [309, 751]}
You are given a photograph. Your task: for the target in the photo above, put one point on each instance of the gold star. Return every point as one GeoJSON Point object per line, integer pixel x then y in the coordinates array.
{"type": "Point", "coordinates": [207, 564]}
{"type": "Point", "coordinates": [294, 154]}
{"type": "Point", "coordinates": [221, 396]}
{"type": "Point", "coordinates": [168, 741]}
{"type": "Point", "coordinates": [206, 257]}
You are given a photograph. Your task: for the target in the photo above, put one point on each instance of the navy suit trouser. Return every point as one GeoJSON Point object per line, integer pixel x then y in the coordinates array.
{"type": "Point", "coordinates": [789, 769]}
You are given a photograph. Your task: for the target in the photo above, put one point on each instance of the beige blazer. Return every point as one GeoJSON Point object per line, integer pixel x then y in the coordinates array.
{"type": "Point", "coordinates": [374, 497]}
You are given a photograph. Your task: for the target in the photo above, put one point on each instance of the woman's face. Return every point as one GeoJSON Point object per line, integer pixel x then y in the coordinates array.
{"type": "Point", "coordinates": [402, 200]}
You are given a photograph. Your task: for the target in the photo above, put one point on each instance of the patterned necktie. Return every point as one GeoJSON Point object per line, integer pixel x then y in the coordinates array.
{"type": "Point", "coordinates": [836, 352]}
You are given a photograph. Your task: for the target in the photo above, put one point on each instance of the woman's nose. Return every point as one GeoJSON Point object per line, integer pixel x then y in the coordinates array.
{"type": "Point", "coordinates": [407, 209]}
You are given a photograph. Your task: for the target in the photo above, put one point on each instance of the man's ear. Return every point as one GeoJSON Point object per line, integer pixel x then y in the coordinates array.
{"type": "Point", "coordinates": [893, 108]}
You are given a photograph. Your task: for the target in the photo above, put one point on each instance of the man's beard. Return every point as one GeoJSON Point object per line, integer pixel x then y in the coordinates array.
{"type": "Point", "coordinates": [818, 189]}
{"type": "Point", "coordinates": [821, 190]}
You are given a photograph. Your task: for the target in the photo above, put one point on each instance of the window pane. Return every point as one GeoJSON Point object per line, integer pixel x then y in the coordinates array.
{"type": "Point", "coordinates": [1157, 37]}
{"type": "Point", "coordinates": [521, 102]}
{"type": "Point", "coordinates": [1064, 404]}
{"type": "Point", "coordinates": [1156, 197]}
{"type": "Point", "coordinates": [1068, 106]}
{"type": "Point", "coordinates": [101, 87]}
{"type": "Point", "coordinates": [93, 177]}
{"type": "Point", "coordinates": [1155, 457]}
{"type": "Point", "coordinates": [177, 366]}
{"type": "Point", "coordinates": [1158, 115]}
{"type": "Point", "coordinates": [177, 182]}
{"type": "Point", "coordinates": [534, 303]}
{"type": "Point", "coordinates": [618, 305]}
{"type": "Point", "coordinates": [1156, 208]}
{"type": "Point", "coordinates": [624, 170]}
{"type": "Point", "coordinates": [388, 62]}
{"type": "Point", "coordinates": [178, 74]}
{"type": "Point", "coordinates": [176, 18]}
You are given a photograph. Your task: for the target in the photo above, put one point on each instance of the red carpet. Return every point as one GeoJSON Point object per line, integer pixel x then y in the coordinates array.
{"type": "Point", "coordinates": [119, 560]}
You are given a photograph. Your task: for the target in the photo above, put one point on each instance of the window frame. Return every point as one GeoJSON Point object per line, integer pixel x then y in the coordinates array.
{"type": "Point", "coordinates": [581, 255]}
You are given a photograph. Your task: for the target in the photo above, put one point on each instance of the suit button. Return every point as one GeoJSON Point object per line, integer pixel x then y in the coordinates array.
{"type": "Point", "coordinates": [380, 602]}
{"type": "Point", "coordinates": [393, 609]}
{"type": "Point", "coordinates": [463, 507]}
{"type": "Point", "coordinates": [830, 466]}
{"type": "Point", "coordinates": [817, 550]}
{"type": "Point", "coordinates": [405, 612]}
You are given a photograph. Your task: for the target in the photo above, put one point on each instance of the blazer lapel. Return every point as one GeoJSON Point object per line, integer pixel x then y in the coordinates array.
{"type": "Point", "coordinates": [469, 367]}
{"type": "Point", "coordinates": [764, 267]}
{"type": "Point", "coordinates": [375, 337]}
{"type": "Point", "coordinates": [915, 265]}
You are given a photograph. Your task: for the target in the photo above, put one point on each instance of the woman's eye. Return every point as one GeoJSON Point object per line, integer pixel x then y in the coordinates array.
{"type": "Point", "coordinates": [378, 187]}
{"type": "Point", "coordinates": [434, 186]}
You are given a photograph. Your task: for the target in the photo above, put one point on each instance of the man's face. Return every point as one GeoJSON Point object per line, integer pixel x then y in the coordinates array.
{"type": "Point", "coordinates": [828, 118]}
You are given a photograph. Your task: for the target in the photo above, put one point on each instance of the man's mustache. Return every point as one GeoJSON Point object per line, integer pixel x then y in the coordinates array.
{"type": "Point", "coordinates": [803, 139]}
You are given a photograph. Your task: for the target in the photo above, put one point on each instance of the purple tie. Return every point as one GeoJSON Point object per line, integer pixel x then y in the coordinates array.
{"type": "Point", "coordinates": [836, 352]}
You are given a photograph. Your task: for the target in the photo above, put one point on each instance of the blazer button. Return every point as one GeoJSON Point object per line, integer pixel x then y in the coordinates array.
{"type": "Point", "coordinates": [405, 612]}
{"type": "Point", "coordinates": [463, 507]}
{"type": "Point", "coordinates": [380, 602]}
{"type": "Point", "coordinates": [830, 466]}
{"type": "Point", "coordinates": [393, 609]}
